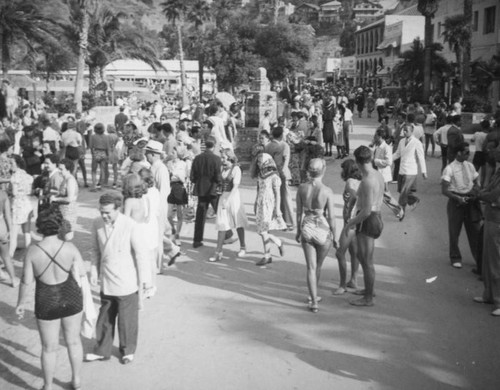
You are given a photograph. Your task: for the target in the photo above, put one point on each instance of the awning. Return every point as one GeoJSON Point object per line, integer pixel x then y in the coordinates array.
{"type": "Point", "coordinates": [388, 43]}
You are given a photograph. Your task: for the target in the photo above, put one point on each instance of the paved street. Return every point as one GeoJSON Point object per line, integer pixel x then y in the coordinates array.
{"type": "Point", "coordinates": [232, 325]}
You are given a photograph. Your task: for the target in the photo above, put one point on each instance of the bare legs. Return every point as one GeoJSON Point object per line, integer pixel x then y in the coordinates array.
{"type": "Point", "coordinates": [347, 242]}
{"type": "Point", "coordinates": [49, 335]}
{"type": "Point", "coordinates": [7, 259]}
{"type": "Point", "coordinates": [25, 227]}
{"type": "Point", "coordinates": [365, 255]}
{"type": "Point", "coordinates": [315, 255]}
{"type": "Point", "coordinates": [179, 213]}
{"type": "Point", "coordinates": [266, 239]}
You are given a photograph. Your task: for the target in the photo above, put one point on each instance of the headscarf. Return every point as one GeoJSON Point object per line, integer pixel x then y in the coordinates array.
{"type": "Point", "coordinates": [267, 165]}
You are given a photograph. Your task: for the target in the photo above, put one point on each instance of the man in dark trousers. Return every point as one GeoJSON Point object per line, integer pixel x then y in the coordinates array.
{"type": "Point", "coordinates": [206, 176]}
{"type": "Point", "coordinates": [455, 137]}
{"type": "Point", "coordinates": [120, 119]}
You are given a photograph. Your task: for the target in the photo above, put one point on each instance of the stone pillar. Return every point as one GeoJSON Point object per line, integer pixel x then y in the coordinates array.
{"type": "Point", "coordinates": [259, 100]}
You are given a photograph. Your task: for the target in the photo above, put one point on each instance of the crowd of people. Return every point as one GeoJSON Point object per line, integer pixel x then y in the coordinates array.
{"type": "Point", "coordinates": [167, 173]}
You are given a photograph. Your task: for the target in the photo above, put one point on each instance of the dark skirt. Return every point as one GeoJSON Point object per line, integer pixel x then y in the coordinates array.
{"type": "Point", "coordinates": [328, 133]}
{"type": "Point", "coordinates": [178, 194]}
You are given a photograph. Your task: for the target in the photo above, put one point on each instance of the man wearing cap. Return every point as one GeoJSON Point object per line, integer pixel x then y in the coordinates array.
{"type": "Point", "coordinates": [153, 151]}
{"type": "Point", "coordinates": [206, 177]}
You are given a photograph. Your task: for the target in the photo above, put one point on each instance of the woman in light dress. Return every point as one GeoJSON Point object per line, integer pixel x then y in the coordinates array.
{"type": "Point", "coordinates": [22, 208]}
{"type": "Point", "coordinates": [267, 205]}
{"type": "Point", "coordinates": [152, 228]}
{"type": "Point", "coordinates": [230, 211]}
{"type": "Point", "coordinates": [68, 194]}
{"type": "Point", "coordinates": [136, 206]}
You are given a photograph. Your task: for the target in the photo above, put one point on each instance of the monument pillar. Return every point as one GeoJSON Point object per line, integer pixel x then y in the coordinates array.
{"type": "Point", "coordinates": [260, 99]}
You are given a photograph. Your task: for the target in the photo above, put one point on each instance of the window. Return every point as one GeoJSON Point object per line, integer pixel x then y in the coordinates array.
{"type": "Point", "coordinates": [489, 20]}
{"type": "Point", "coordinates": [475, 20]}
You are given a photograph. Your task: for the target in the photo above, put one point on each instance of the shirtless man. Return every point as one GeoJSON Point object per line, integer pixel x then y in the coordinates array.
{"type": "Point", "coordinates": [368, 221]}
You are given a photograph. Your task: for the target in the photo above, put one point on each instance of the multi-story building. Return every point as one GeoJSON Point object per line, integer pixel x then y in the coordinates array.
{"type": "Point", "coordinates": [379, 45]}
{"type": "Point", "coordinates": [329, 12]}
{"type": "Point", "coordinates": [307, 12]}
{"type": "Point", "coordinates": [485, 27]}
{"type": "Point", "coordinates": [367, 11]}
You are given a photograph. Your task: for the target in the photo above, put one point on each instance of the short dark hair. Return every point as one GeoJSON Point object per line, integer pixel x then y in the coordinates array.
{"type": "Point", "coordinates": [53, 158]}
{"type": "Point", "coordinates": [210, 143]}
{"type": "Point", "coordinates": [167, 128]}
{"type": "Point", "coordinates": [461, 147]}
{"type": "Point", "coordinates": [380, 133]}
{"type": "Point", "coordinates": [410, 117]}
{"type": "Point", "coordinates": [99, 128]}
{"type": "Point", "coordinates": [111, 197]}
{"type": "Point", "coordinates": [265, 133]}
{"type": "Point", "coordinates": [277, 132]}
{"type": "Point", "coordinates": [68, 164]}
{"type": "Point", "coordinates": [363, 155]}
{"type": "Point", "coordinates": [455, 119]}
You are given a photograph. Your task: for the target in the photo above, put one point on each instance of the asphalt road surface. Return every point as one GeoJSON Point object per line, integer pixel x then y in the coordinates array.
{"type": "Point", "coordinates": [232, 325]}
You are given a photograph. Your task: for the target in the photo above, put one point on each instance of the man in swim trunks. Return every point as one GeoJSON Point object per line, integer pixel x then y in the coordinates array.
{"type": "Point", "coordinates": [368, 221]}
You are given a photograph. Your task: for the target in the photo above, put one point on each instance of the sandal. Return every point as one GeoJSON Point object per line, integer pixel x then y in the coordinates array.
{"type": "Point", "coordinates": [313, 307]}
{"type": "Point", "coordinates": [264, 261]}
{"type": "Point", "coordinates": [217, 257]}
{"type": "Point", "coordinates": [281, 248]}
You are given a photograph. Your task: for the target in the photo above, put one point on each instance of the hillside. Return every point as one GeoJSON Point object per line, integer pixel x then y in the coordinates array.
{"type": "Point", "coordinates": [325, 47]}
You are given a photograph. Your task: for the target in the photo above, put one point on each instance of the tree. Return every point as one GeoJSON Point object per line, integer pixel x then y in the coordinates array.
{"type": "Point", "coordinates": [285, 49]}
{"type": "Point", "coordinates": [467, 48]}
{"type": "Point", "coordinates": [457, 34]}
{"type": "Point", "coordinates": [232, 54]}
{"type": "Point", "coordinates": [428, 9]}
{"type": "Point", "coordinates": [54, 58]}
{"type": "Point", "coordinates": [111, 39]}
{"type": "Point", "coordinates": [176, 12]}
{"type": "Point", "coordinates": [347, 39]}
{"type": "Point", "coordinates": [410, 70]}
{"type": "Point", "coordinates": [79, 23]}
{"type": "Point", "coordinates": [23, 22]}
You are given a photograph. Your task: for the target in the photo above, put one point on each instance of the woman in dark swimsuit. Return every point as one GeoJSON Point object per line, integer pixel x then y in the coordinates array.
{"type": "Point", "coordinates": [57, 268]}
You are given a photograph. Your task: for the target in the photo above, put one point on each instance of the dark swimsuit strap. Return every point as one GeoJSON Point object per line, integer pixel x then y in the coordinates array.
{"type": "Point", "coordinates": [52, 259]}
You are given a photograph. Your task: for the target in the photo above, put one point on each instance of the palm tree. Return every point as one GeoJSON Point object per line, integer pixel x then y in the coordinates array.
{"type": "Point", "coordinates": [23, 22]}
{"type": "Point", "coordinates": [109, 39]}
{"type": "Point", "coordinates": [199, 15]}
{"type": "Point", "coordinates": [457, 34]}
{"type": "Point", "coordinates": [410, 70]}
{"type": "Point", "coordinates": [467, 49]}
{"type": "Point", "coordinates": [80, 18]}
{"type": "Point", "coordinates": [428, 9]}
{"type": "Point", "coordinates": [176, 12]}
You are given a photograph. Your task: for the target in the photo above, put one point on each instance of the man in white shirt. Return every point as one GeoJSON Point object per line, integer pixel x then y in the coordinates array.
{"type": "Point", "coordinates": [418, 129]}
{"type": "Point", "coordinates": [119, 263]}
{"type": "Point", "coordinates": [460, 183]}
{"type": "Point", "coordinates": [380, 105]}
{"type": "Point", "coordinates": [50, 136]}
{"type": "Point", "coordinates": [411, 154]}
{"type": "Point", "coordinates": [382, 159]}
{"type": "Point", "coordinates": [441, 137]}
{"type": "Point", "coordinates": [347, 127]}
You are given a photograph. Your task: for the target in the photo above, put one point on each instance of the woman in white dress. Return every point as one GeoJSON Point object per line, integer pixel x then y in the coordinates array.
{"type": "Point", "coordinates": [230, 211]}
{"type": "Point", "coordinates": [136, 207]}
{"type": "Point", "coordinates": [152, 227]}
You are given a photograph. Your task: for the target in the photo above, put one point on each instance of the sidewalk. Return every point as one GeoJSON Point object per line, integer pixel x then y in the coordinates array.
{"type": "Point", "coordinates": [232, 325]}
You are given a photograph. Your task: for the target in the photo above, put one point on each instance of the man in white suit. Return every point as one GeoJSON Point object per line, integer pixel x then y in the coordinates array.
{"type": "Point", "coordinates": [411, 152]}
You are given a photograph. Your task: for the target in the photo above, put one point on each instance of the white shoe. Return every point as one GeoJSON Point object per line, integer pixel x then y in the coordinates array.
{"type": "Point", "coordinates": [127, 359]}
{"type": "Point", "coordinates": [457, 265]}
{"type": "Point", "coordinates": [242, 253]}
